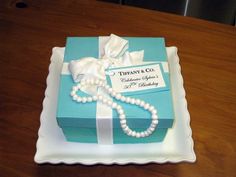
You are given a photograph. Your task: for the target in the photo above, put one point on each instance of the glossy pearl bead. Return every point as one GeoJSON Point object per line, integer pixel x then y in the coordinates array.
{"type": "Point", "coordinates": [142, 103]}
{"type": "Point", "coordinates": [126, 129]}
{"type": "Point", "coordinates": [73, 93]}
{"type": "Point", "coordinates": [100, 97]}
{"type": "Point", "coordinates": [154, 117]}
{"type": "Point", "coordinates": [137, 102]}
{"type": "Point", "coordinates": [129, 133]}
{"type": "Point", "coordinates": [89, 99]}
{"type": "Point", "coordinates": [118, 96]}
{"type": "Point", "coordinates": [132, 101]}
{"type": "Point", "coordinates": [123, 121]}
{"type": "Point", "coordinates": [151, 108]}
{"type": "Point", "coordinates": [110, 90]}
{"type": "Point", "coordinates": [146, 133]}
{"type": "Point", "coordinates": [120, 111]}
{"type": "Point", "coordinates": [127, 100]}
{"type": "Point", "coordinates": [133, 133]}
{"type": "Point", "coordinates": [78, 99]}
{"type": "Point", "coordinates": [146, 106]}
{"type": "Point", "coordinates": [113, 94]}
{"type": "Point", "coordinates": [114, 105]}
{"type": "Point", "coordinates": [118, 107]}
{"type": "Point", "coordinates": [122, 116]}
{"type": "Point", "coordinates": [123, 98]}
{"type": "Point", "coordinates": [84, 100]}
{"type": "Point", "coordinates": [95, 98]}
{"type": "Point", "coordinates": [123, 126]}
{"type": "Point", "coordinates": [75, 97]}
{"type": "Point", "coordinates": [154, 111]}
{"type": "Point", "coordinates": [142, 134]}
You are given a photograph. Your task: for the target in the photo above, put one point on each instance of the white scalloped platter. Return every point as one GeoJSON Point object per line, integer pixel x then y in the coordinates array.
{"type": "Point", "coordinates": [53, 148]}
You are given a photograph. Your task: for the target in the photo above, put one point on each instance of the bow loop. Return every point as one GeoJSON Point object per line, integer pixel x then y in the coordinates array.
{"type": "Point", "coordinates": [88, 67]}
{"type": "Point", "coordinates": [115, 47]}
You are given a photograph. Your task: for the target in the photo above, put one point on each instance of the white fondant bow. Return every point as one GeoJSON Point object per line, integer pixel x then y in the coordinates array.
{"type": "Point", "coordinates": [115, 55]}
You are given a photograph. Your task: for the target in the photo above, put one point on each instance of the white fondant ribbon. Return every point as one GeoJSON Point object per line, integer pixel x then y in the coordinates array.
{"type": "Point", "coordinates": [104, 125]}
{"type": "Point", "coordinates": [112, 53]}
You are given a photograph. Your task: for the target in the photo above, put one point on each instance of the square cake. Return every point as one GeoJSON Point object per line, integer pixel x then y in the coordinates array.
{"type": "Point", "coordinates": [130, 101]}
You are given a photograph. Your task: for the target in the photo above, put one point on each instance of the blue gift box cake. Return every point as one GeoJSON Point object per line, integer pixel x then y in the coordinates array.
{"type": "Point", "coordinates": [94, 122]}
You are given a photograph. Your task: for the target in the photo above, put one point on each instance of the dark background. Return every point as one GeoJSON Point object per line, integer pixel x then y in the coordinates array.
{"type": "Point", "coordinates": [221, 11]}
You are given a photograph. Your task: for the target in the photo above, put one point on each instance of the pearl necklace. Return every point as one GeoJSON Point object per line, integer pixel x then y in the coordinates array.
{"type": "Point", "coordinates": [114, 105]}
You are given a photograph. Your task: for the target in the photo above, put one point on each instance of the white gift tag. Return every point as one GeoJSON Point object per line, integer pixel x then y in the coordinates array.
{"type": "Point", "coordinates": [136, 78]}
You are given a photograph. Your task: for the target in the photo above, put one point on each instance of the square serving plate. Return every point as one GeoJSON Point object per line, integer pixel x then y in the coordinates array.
{"type": "Point", "coordinates": [53, 148]}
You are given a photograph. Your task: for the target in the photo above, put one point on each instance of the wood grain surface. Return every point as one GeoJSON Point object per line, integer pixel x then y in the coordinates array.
{"type": "Point", "coordinates": [208, 60]}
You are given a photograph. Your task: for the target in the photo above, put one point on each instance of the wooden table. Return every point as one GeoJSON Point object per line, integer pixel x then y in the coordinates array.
{"type": "Point", "coordinates": [208, 60]}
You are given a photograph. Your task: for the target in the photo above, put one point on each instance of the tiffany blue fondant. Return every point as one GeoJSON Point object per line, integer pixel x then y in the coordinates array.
{"type": "Point", "coordinates": [131, 107]}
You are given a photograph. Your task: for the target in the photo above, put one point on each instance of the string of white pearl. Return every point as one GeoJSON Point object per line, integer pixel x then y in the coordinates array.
{"type": "Point", "coordinates": [114, 105]}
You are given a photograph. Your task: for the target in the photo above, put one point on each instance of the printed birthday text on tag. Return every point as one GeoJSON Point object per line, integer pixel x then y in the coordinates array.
{"type": "Point", "coordinates": [136, 78]}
